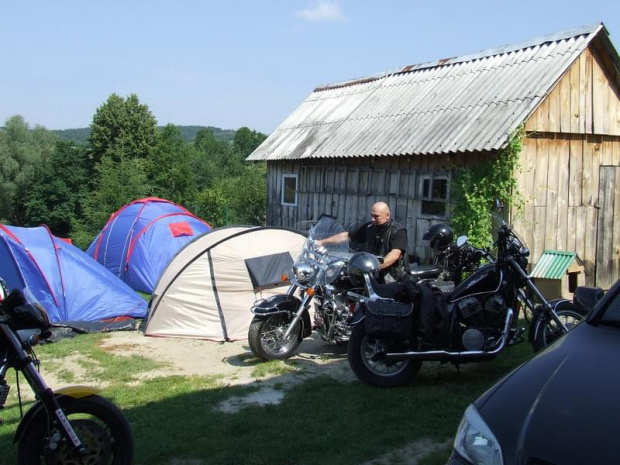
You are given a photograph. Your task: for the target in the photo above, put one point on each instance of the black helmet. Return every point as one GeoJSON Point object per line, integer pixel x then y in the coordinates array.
{"type": "Point", "coordinates": [361, 263]}
{"type": "Point", "coordinates": [440, 235]}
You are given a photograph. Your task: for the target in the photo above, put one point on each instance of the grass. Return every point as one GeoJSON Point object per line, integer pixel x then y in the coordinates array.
{"type": "Point", "coordinates": [319, 421]}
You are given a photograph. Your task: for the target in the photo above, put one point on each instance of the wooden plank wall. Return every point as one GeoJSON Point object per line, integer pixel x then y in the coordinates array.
{"type": "Point", "coordinates": [584, 101]}
{"type": "Point", "coordinates": [347, 189]}
{"type": "Point", "coordinates": [608, 258]}
{"type": "Point", "coordinates": [573, 133]}
{"type": "Point", "coordinates": [559, 181]}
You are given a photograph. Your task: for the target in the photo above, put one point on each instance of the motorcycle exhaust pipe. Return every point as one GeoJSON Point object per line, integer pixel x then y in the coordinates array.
{"type": "Point", "coordinates": [437, 355]}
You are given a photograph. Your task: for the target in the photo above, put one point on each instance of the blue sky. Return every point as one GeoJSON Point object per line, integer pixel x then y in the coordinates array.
{"type": "Point", "coordinates": [240, 63]}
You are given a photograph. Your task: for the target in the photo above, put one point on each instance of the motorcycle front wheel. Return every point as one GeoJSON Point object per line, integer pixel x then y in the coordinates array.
{"type": "Point", "coordinates": [364, 355]}
{"type": "Point", "coordinates": [266, 337]}
{"type": "Point", "coordinates": [100, 425]}
{"type": "Point", "coordinates": [547, 330]}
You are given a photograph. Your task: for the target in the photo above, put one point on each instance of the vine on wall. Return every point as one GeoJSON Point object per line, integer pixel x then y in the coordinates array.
{"type": "Point", "coordinates": [474, 190]}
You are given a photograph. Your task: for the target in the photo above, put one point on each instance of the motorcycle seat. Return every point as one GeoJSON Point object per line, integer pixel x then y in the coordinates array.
{"type": "Point", "coordinates": [424, 271]}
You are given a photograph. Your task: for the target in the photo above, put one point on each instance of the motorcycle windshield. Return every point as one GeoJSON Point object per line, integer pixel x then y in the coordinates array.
{"type": "Point", "coordinates": [327, 262]}
{"type": "Point", "coordinates": [328, 227]}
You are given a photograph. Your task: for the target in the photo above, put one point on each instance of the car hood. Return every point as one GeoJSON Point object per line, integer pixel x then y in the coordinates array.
{"type": "Point", "coordinates": [562, 406]}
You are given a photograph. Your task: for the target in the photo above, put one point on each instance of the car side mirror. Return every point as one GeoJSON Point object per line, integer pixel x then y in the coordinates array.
{"type": "Point", "coordinates": [587, 297]}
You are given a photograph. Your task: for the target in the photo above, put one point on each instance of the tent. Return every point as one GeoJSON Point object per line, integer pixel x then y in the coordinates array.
{"type": "Point", "coordinates": [141, 238]}
{"type": "Point", "coordinates": [69, 284]}
{"type": "Point", "coordinates": [207, 290]}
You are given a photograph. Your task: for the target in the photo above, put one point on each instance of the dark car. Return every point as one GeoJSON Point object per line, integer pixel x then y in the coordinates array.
{"type": "Point", "coordinates": [560, 408]}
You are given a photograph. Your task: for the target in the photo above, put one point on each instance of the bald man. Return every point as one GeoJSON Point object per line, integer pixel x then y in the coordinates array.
{"type": "Point", "coordinates": [381, 236]}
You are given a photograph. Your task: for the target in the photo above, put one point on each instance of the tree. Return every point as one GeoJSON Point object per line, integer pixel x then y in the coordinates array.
{"type": "Point", "coordinates": [235, 199]}
{"type": "Point", "coordinates": [118, 183]}
{"type": "Point", "coordinates": [122, 126]}
{"type": "Point", "coordinates": [246, 141]}
{"type": "Point", "coordinates": [21, 150]}
{"type": "Point", "coordinates": [58, 189]}
{"type": "Point", "coordinates": [170, 169]}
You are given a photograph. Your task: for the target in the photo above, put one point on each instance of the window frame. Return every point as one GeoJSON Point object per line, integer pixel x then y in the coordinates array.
{"type": "Point", "coordinates": [431, 177]}
{"type": "Point", "coordinates": [286, 177]}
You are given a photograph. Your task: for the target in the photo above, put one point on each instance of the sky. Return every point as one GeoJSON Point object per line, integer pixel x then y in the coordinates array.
{"type": "Point", "coordinates": [235, 63]}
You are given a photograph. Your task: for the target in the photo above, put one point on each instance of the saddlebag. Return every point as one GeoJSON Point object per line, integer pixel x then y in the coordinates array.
{"type": "Point", "coordinates": [388, 319]}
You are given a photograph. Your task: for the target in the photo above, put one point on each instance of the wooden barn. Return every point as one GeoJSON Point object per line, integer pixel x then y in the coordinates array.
{"type": "Point", "coordinates": [398, 136]}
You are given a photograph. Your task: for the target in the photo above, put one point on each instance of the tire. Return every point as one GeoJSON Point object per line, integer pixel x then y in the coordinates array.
{"type": "Point", "coordinates": [360, 352]}
{"type": "Point", "coordinates": [266, 341]}
{"type": "Point", "coordinates": [101, 426]}
{"type": "Point", "coordinates": [547, 331]}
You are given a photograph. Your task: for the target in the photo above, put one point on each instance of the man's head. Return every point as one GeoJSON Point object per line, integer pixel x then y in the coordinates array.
{"type": "Point", "coordinates": [380, 213]}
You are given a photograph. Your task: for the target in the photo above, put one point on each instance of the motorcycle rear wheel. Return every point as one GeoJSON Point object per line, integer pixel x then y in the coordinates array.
{"type": "Point", "coordinates": [266, 337]}
{"type": "Point", "coordinates": [361, 351]}
{"type": "Point", "coordinates": [547, 331]}
{"type": "Point", "coordinates": [100, 425]}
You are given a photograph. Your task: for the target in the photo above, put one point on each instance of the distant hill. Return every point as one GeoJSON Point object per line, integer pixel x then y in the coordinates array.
{"type": "Point", "coordinates": [188, 133]}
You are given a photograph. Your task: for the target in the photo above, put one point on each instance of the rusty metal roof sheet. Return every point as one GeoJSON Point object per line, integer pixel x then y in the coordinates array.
{"type": "Point", "coordinates": [463, 104]}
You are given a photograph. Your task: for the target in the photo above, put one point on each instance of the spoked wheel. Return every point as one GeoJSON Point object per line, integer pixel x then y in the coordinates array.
{"type": "Point", "coordinates": [100, 425]}
{"type": "Point", "coordinates": [366, 361]}
{"type": "Point", "coordinates": [548, 331]}
{"type": "Point", "coordinates": [266, 337]}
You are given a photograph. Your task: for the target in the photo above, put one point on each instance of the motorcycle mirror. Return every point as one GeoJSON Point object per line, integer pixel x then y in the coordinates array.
{"type": "Point", "coordinates": [499, 205]}
{"type": "Point", "coordinates": [461, 241]}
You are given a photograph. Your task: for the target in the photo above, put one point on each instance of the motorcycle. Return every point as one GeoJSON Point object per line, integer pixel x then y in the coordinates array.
{"type": "Point", "coordinates": [73, 425]}
{"type": "Point", "coordinates": [450, 265]}
{"type": "Point", "coordinates": [318, 276]}
{"type": "Point", "coordinates": [396, 327]}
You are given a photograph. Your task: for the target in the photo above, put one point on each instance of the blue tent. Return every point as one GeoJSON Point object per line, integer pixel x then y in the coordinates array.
{"type": "Point", "coordinates": [141, 238]}
{"type": "Point", "coordinates": [69, 284]}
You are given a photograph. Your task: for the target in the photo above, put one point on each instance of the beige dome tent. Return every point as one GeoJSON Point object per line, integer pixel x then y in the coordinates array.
{"type": "Point", "coordinates": [207, 289]}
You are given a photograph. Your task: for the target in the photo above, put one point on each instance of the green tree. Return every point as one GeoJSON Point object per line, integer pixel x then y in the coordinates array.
{"type": "Point", "coordinates": [60, 184]}
{"type": "Point", "coordinates": [170, 168]}
{"type": "Point", "coordinates": [208, 156]}
{"type": "Point", "coordinates": [235, 199]}
{"type": "Point", "coordinates": [122, 126]}
{"type": "Point", "coordinates": [246, 141]}
{"type": "Point", "coordinates": [118, 183]}
{"type": "Point", "coordinates": [21, 150]}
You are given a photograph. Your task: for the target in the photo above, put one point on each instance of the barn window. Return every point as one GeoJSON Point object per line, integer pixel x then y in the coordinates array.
{"type": "Point", "coordinates": [289, 190]}
{"type": "Point", "coordinates": [434, 194]}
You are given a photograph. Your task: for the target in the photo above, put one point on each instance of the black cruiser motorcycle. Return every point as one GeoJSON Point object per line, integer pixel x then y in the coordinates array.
{"type": "Point", "coordinates": [396, 327]}
{"type": "Point", "coordinates": [72, 425]}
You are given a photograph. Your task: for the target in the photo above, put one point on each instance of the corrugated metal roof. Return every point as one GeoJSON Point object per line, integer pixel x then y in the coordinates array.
{"type": "Point", "coordinates": [464, 104]}
{"type": "Point", "coordinates": [553, 264]}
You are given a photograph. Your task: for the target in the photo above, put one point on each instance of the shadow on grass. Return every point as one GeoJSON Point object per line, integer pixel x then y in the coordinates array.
{"type": "Point", "coordinates": [322, 420]}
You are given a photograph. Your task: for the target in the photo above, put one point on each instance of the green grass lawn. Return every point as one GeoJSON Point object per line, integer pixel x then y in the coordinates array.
{"type": "Point", "coordinates": [320, 421]}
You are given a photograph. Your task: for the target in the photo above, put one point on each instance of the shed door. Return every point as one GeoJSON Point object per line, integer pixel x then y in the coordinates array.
{"type": "Point", "coordinates": [608, 238]}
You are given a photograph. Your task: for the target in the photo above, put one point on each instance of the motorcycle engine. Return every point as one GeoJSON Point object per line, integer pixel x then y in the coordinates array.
{"type": "Point", "coordinates": [482, 318]}
{"type": "Point", "coordinates": [330, 319]}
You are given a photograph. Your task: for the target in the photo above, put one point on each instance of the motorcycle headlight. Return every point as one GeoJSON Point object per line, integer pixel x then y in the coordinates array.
{"type": "Point", "coordinates": [303, 272]}
{"type": "Point", "coordinates": [475, 441]}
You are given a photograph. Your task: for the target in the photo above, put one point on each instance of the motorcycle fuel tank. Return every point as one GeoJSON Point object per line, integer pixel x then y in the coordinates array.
{"type": "Point", "coordinates": [483, 280]}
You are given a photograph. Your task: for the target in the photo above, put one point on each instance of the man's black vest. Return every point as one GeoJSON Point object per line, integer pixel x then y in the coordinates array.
{"type": "Point", "coordinates": [379, 242]}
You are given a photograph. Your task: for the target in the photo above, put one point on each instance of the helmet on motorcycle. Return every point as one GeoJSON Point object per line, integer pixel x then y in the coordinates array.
{"type": "Point", "coordinates": [361, 263]}
{"type": "Point", "coordinates": [440, 236]}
